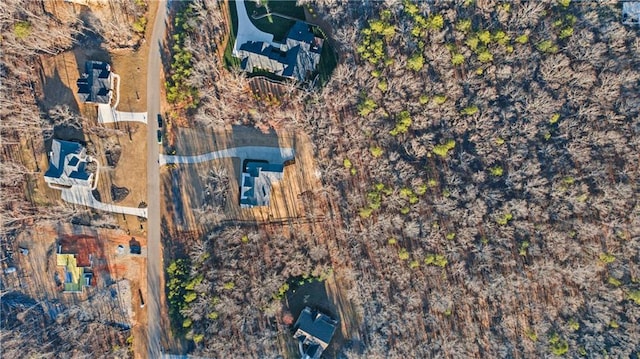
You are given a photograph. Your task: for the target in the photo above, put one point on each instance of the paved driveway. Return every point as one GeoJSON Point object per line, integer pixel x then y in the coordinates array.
{"type": "Point", "coordinates": [247, 31]}
{"type": "Point", "coordinates": [107, 114]}
{"type": "Point", "coordinates": [269, 154]}
{"type": "Point", "coordinates": [84, 197]}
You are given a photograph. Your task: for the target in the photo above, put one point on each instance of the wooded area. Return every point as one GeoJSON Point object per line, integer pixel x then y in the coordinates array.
{"type": "Point", "coordinates": [479, 167]}
{"type": "Point", "coordinates": [31, 31]}
{"type": "Point", "coordinates": [480, 178]}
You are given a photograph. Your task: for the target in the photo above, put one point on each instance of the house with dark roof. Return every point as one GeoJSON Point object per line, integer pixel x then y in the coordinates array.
{"type": "Point", "coordinates": [67, 165]}
{"type": "Point", "coordinates": [314, 331]}
{"type": "Point", "coordinates": [257, 178]}
{"type": "Point", "coordinates": [296, 58]}
{"type": "Point", "coordinates": [96, 83]}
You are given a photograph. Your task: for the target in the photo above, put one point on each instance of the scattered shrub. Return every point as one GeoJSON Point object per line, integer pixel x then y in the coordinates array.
{"type": "Point", "coordinates": [415, 62]}
{"type": "Point", "coordinates": [442, 150]}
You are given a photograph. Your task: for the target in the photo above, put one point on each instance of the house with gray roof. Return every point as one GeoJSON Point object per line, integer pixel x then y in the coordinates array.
{"type": "Point", "coordinates": [68, 165]}
{"type": "Point", "coordinates": [296, 58]}
{"type": "Point", "coordinates": [314, 331]}
{"type": "Point", "coordinates": [257, 178]}
{"type": "Point", "coordinates": [631, 13]}
{"type": "Point", "coordinates": [96, 83]}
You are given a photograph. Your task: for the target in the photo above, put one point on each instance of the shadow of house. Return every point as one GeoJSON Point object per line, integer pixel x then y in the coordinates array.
{"type": "Point", "coordinates": [313, 330]}
{"type": "Point", "coordinates": [251, 136]}
{"type": "Point", "coordinates": [297, 57]}
{"type": "Point", "coordinates": [54, 90]}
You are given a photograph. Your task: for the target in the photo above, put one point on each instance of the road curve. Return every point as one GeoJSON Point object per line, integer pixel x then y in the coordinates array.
{"type": "Point", "coordinates": [155, 291]}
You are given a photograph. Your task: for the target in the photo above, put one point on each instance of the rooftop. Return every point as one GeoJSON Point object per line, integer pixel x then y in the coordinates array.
{"type": "Point", "coordinates": [631, 12]}
{"type": "Point", "coordinates": [296, 58]}
{"type": "Point", "coordinates": [67, 164]}
{"type": "Point", "coordinates": [314, 331]}
{"type": "Point", "coordinates": [257, 178]}
{"type": "Point", "coordinates": [94, 86]}
{"type": "Point", "coordinates": [74, 255]}
{"type": "Point", "coordinates": [75, 277]}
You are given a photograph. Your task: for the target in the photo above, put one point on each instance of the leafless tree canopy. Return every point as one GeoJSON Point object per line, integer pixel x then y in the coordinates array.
{"type": "Point", "coordinates": [480, 171]}
{"type": "Point", "coordinates": [492, 209]}
{"type": "Point", "coordinates": [30, 30]}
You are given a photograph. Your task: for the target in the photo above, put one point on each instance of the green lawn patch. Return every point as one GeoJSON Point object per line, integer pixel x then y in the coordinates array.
{"type": "Point", "coordinates": [328, 59]}
{"type": "Point", "coordinates": [229, 60]}
{"type": "Point", "coordinates": [276, 25]}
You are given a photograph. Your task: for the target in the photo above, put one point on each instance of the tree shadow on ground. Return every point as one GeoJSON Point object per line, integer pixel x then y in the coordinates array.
{"type": "Point", "coordinates": [251, 136]}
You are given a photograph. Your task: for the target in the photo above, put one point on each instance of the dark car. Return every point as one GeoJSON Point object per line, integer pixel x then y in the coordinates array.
{"type": "Point", "coordinates": [159, 121]}
{"type": "Point", "coordinates": [141, 299]}
{"type": "Point", "coordinates": [135, 249]}
{"type": "Point", "coordinates": [159, 137]}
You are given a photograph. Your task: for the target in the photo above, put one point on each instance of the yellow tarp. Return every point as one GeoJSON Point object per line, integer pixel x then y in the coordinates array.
{"type": "Point", "coordinates": [73, 273]}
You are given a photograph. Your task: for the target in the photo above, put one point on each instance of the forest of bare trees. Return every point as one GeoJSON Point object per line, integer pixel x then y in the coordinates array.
{"type": "Point", "coordinates": [32, 30]}
{"type": "Point", "coordinates": [481, 165]}
{"type": "Point", "coordinates": [32, 328]}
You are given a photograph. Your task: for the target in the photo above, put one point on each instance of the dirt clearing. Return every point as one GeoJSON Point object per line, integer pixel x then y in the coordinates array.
{"type": "Point", "coordinates": [186, 183]}
{"type": "Point", "coordinates": [116, 274]}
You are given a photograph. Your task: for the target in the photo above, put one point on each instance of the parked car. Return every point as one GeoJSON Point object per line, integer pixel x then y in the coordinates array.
{"type": "Point", "coordinates": [141, 299]}
{"type": "Point", "coordinates": [10, 270]}
{"type": "Point", "coordinates": [159, 121]}
{"type": "Point", "coordinates": [159, 137]}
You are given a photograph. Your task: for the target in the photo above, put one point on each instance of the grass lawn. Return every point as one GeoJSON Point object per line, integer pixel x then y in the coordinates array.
{"type": "Point", "coordinates": [275, 25]}
{"type": "Point", "coordinates": [229, 60]}
{"type": "Point", "coordinates": [314, 295]}
{"type": "Point", "coordinates": [328, 62]}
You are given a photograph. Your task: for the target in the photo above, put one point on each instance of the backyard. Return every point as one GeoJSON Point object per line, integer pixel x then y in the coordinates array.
{"type": "Point", "coordinates": [261, 17]}
{"type": "Point", "coordinates": [279, 27]}
{"type": "Point", "coordinates": [229, 60]}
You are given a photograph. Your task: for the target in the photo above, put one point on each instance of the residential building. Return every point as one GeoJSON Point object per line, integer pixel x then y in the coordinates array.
{"type": "Point", "coordinates": [257, 178]}
{"type": "Point", "coordinates": [67, 165]}
{"type": "Point", "coordinates": [96, 83]}
{"type": "Point", "coordinates": [314, 331]}
{"type": "Point", "coordinates": [296, 58]}
{"type": "Point", "coordinates": [631, 13]}
{"type": "Point", "coordinates": [76, 270]}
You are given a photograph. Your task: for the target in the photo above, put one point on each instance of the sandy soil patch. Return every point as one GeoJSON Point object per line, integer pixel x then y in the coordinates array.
{"type": "Point", "coordinates": [58, 76]}
{"type": "Point", "coordinates": [186, 184]}
{"type": "Point", "coordinates": [113, 271]}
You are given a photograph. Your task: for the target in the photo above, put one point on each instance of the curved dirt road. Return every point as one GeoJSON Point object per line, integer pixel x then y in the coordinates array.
{"type": "Point", "coordinates": [155, 290]}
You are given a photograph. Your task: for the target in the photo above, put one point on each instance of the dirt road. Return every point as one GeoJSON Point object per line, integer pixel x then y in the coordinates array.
{"type": "Point", "coordinates": [154, 253]}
